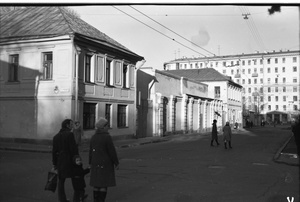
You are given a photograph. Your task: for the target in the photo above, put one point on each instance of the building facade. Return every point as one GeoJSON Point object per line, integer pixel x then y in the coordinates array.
{"type": "Point", "coordinates": [171, 104]}
{"type": "Point", "coordinates": [219, 87]}
{"type": "Point", "coordinates": [271, 86]}
{"type": "Point", "coordinates": [55, 67]}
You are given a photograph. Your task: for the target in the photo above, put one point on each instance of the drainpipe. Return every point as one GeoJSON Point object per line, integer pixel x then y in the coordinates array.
{"type": "Point", "coordinates": [137, 96]}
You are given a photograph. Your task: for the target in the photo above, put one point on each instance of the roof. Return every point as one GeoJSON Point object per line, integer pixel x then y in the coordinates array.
{"type": "Point", "coordinates": [43, 22]}
{"type": "Point", "coordinates": [202, 75]}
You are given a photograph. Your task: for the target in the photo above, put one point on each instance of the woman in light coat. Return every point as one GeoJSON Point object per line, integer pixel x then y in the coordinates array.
{"type": "Point", "coordinates": [103, 161]}
{"type": "Point", "coordinates": [227, 135]}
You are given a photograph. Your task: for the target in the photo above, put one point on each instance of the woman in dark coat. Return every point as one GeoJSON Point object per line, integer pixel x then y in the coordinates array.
{"type": "Point", "coordinates": [227, 135]}
{"type": "Point", "coordinates": [214, 133]}
{"type": "Point", "coordinates": [103, 161]}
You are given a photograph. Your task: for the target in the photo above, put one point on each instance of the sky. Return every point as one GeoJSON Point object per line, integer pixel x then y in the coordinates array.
{"type": "Point", "coordinates": [161, 33]}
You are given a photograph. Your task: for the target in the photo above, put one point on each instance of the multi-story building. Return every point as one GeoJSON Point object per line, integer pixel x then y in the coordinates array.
{"type": "Point", "coordinates": [54, 66]}
{"type": "Point", "coordinates": [270, 81]}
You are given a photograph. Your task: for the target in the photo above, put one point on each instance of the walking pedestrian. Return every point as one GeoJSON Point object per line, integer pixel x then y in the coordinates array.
{"type": "Point", "coordinates": [214, 133]}
{"type": "Point", "coordinates": [227, 135]}
{"type": "Point", "coordinates": [78, 181]}
{"type": "Point", "coordinates": [103, 161]}
{"type": "Point", "coordinates": [78, 132]}
{"type": "Point", "coordinates": [63, 150]}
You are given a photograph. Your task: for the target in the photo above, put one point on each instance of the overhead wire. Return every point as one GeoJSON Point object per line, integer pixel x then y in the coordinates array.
{"type": "Point", "coordinates": [171, 30]}
{"type": "Point", "coordinates": [158, 31]}
{"type": "Point", "coordinates": [253, 29]}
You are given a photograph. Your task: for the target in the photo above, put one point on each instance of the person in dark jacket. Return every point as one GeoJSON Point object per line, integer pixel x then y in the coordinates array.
{"type": "Point", "coordinates": [227, 135]}
{"type": "Point", "coordinates": [103, 161]}
{"type": "Point", "coordinates": [63, 150]}
{"type": "Point", "coordinates": [78, 181]}
{"type": "Point", "coordinates": [214, 133]}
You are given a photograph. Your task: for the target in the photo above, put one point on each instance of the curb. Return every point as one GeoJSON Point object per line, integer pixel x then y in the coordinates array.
{"type": "Point", "coordinates": [279, 153]}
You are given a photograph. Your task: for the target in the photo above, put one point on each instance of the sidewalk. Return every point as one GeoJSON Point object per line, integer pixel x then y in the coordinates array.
{"type": "Point", "coordinates": [46, 148]}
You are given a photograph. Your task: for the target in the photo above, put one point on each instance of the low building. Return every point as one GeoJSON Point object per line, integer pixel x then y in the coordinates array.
{"type": "Point", "coordinates": [219, 87]}
{"type": "Point", "coordinates": [55, 66]}
{"type": "Point", "coordinates": [171, 104]}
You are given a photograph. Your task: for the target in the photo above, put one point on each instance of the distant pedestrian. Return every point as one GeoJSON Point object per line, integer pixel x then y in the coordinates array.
{"type": "Point", "coordinates": [103, 161]}
{"type": "Point", "coordinates": [78, 132]}
{"type": "Point", "coordinates": [227, 135]}
{"type": "Point", "coordinates": [214, 133]}
{"type": "Point", "coordinates": [78, 181]}
{"type": "Point", "coordinates": [236, 125]}
{"type": "Point", "coordinates": [63, 149]}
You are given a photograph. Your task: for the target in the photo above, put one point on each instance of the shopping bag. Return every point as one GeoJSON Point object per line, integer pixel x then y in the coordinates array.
{"type": "Point", "coordinates": [51, 181]}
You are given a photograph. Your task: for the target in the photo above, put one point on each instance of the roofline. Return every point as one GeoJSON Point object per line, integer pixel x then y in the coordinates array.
{"type": "Point", "coordinates": [34, 38]}
{"type": "Point", "coordinates": [224, 57]}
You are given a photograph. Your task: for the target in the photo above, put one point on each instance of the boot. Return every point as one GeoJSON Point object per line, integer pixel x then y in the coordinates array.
{"type": "Point", "coordinates": [225, 144]}
{"type": "Point", "coordinates": [229, 142]}
{"type": "Point", "coordinates": [102, 195]}
{"type": "Point", "coordinates": [217, 143]}
{"type": "Point", "coordinates": [97, 196]}
{"type": "Point", "coordinates": [211, 143]}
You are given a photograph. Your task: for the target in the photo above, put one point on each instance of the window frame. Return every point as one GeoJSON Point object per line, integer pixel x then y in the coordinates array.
{"type": "Point", "coordinates": [122, 116]}
{"type": "Point", "coordinates": [49, 71]}
{"type": "Point", "coordinates": [13, 68]}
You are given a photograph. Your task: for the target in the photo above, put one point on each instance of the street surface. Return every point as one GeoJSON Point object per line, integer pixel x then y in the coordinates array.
{"type": "Point", "coordinates": [184, 169]}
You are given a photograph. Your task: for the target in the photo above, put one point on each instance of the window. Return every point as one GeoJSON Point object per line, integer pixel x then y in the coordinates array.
{"type": "Point", "coordinates": [276, 69]}
{"type": "Point", "coordinates": [89, 114]}
{"type": "Point", "coordinates": [191, 66]}
{"type": "Point", "coordinates": [294, 80]}
{"type": "Point", "coordinates": [269, 80]}
{"type": "Point", "coordinates": [261, 61]}
{"type": "Point", "coordinates": [201, 64]}
{"type": "Point", "coordinates": [47, 66]}
{"type": "Point", "coordinates": [217, 92]}
{"type": "Point", "coordinates": [261, 89]}
{"type": "Point", "coordinates": [261, 70]}
{"type": "Point", "coordinates": [243, 71]}
{"type": "Point", "coordinates": [185, 66]}
{"type": "Point", "coordinates": [243, 62]}
{"type": "Point", "coordinates": [232, 72]}
{"type": "Point", "coordinates": [284, 107]}
{"type": "Point", "coordinates": [269, 70]}
{"type": "Point", "coordinates": [294, 98]}
{"type": "Point", "coordinates": [283, 80]}
{"type": "Point", "coordinates": [100, 69]}
{"type": "Point", "coordinates": [295, 107]}
{"type": "Point", "coordinates": [283, 60]}
{"type": "Point", "coordinates": [108, 72]}
{"type": "Point", "coordinates": [261, 80]}
{"type": "Point", "coordinates": [261, 98]}
{"type": "Point", "coordinates": [269, 107]}
{"type": "Point", "coordinates": [268, 60]}
{"type": "Point", "coordinates": [224, 64]}
{"type": "Point", "coordinates": [284, 98]}
{"type": "Point", "coordinates": [87, 68]}
{"type": "Point", "coordinates": [13, 68]}
{"type": "Point", "coordinates": [108, 111]}
{"type": "Point", "coordinates": [254, 61]}
{"type": "Point", "coordinates": [249, 81]}
{"type": "Point", "coordinates": [249, 71]}
{"type": "Point", "coordinates": [294, 69]}
{"type": "Point", "coordinates": [276, 107]}
{"type": "Point", "coordinates": [276, 98]}
{"type": "Point", "coordinates": [125, 68]}
{"type": "Point", "coordinates": [269, 98]}
{"type": "Point", "coordinates": [249, 62]}
{"type": "Point", "coordinates": [276, 89]}
{"type": "Point", "coordinates": [249, 90]}
{"type": "Point", "coordinates": [255, 81]}
{"type": "Point", "coordinates": [284, 89]}
{"type": "Point", "coordinates": [283, 69]}
{"type": "Point", "coordinates": [243, 81]}
{"type": "Point", "coordinates": [294, 59]}
{"type": "Point", "coordinates": [294, 89]}
{"type": "Point", "coordinates": [216, 64]}
{"type": "Point", "coordinates": [276, 80]}
{"type": "Point", "coordinates": [122, 115]}
{"type": "Point", "coordinates": [276, 60]}
{"type": "Point", "coordinates": [269, 89]}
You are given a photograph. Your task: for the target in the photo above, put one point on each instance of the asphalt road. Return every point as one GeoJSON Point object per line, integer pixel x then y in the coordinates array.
{"type": "Point", "coordinates": [184, 169]}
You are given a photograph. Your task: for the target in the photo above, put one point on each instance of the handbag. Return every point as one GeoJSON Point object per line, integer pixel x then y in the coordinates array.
{"type": "Point", "coordinates": [51, 183]}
